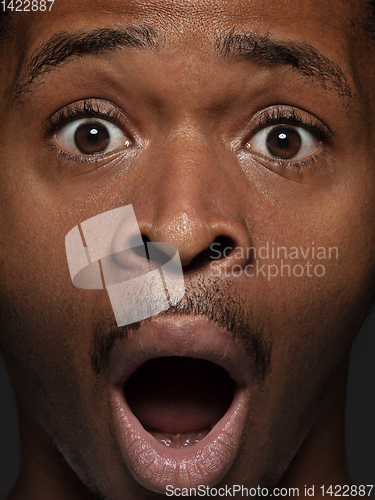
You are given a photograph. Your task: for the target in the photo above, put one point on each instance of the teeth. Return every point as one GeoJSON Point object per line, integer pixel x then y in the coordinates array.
{"type": "Point", "coordinates": [181, 439]}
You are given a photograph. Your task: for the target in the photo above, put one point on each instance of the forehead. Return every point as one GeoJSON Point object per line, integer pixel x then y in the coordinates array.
{"type": "Point", "coordinates": [200, 28]}
{"type": "Point", "coordinates": [197, 22]}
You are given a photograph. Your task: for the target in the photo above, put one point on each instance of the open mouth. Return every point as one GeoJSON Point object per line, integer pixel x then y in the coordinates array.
{"type": "Point", "coordinates": [179, 400]}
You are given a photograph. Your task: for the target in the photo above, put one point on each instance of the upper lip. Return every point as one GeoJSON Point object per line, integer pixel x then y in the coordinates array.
{"type": "Point", "coordinates": [190, 337]}
{"type": "Point", "coordinates": [151, 463]}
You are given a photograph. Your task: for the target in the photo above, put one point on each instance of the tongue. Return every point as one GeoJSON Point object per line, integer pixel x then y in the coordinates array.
{"type": "Point", "coordinates": [179, 395]}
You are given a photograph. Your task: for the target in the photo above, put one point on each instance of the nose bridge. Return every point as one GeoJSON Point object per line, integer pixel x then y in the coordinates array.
{"type": "Point", "coordinates": [193, 198]}
{"type": "Point", "coordinates": [187, 166]}
{"type": "Point", "coordinates": [188, 176]}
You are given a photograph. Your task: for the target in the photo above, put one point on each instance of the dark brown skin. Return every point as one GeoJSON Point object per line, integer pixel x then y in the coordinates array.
{"type": "Point", "coordinates": [191, 176]}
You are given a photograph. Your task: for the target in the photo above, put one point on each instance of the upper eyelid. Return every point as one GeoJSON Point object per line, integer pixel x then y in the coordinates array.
{"type": "Point", "coordinates": [292, 116]}
{"type": "Point", "coordinates": [75, 111]}
{"type": "Point", "coordinates": [272, 115]}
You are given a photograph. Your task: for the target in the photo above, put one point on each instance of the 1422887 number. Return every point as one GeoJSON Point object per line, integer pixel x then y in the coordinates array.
{"type": "Point", "coordinates": [27, 5]}
{"type": "Point", "coordinates": [347, 490]}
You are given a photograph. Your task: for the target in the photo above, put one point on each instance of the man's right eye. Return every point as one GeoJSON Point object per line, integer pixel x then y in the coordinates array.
{"type": "Point", "coordinates": [91, 136]}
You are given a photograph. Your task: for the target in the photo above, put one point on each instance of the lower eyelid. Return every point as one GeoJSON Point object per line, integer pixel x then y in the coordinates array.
{"type": "Point", "coordinates": [320, 159]}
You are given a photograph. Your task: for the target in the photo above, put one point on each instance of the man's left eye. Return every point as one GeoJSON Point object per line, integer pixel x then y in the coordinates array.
{"type": "Point", "coordinates": [89, 136]}
{"type": "Point", "coordinates": [284, 142]}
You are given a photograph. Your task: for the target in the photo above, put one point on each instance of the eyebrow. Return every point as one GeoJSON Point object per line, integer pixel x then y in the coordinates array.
{"type": "Point", "coordinates": [299, 56]}
{"type": "Point", "coordinates": [63, 47]}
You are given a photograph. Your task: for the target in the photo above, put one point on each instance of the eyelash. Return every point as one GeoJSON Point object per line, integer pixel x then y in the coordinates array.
{"type": "Point", "coordinates": [274, 116]}
{"type": "Point", "coordinates": [290, 116]}
{"type": "Point", "coordinates": [82, 110]}
{"type": "Point", "coordinates": [85, 109]}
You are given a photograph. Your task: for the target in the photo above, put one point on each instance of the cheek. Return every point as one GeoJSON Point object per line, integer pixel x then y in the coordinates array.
{"type": "Point", "coordinates": [310, 320]}
{"type": "Point", "coordinates": [314, 293]}
{"type": "Point", "coordinates": [326, 237]}
{"type": "Point", "coordinates": [46, 323]}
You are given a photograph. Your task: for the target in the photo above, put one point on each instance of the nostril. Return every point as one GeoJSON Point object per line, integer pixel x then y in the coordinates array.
{"type": "Point", "coordinates": [145, 240]}
{"type": "Point", "coordinates": [220, 248]}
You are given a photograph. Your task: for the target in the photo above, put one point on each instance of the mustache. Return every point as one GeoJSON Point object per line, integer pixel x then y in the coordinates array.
{"type": "Point", "coordinates": [207, 297]}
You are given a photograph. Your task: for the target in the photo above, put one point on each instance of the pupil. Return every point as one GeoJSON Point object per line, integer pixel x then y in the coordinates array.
{"type": "Point", "coordinates": [284, 143]}
{"type": "Point", "coordinates": [92, 138]}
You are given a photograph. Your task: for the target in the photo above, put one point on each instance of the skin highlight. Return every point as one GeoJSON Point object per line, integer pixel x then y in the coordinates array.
{"type": "Point", "coordinates": [190, 113]}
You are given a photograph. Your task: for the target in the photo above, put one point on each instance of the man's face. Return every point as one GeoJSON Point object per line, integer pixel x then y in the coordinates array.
{"type": "Point", "coordinates": [240, 123]}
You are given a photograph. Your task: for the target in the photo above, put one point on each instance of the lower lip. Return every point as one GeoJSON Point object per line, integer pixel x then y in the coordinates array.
{"type": "Point", "coordinates": [155, 466]}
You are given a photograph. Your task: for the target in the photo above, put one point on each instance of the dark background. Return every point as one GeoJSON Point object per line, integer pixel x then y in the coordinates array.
{"type": "Point", "coordinates": [360, 416]}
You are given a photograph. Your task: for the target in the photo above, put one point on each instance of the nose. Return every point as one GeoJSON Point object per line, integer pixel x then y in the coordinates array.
{"type": "Point", "coordinates": [195, 202]}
